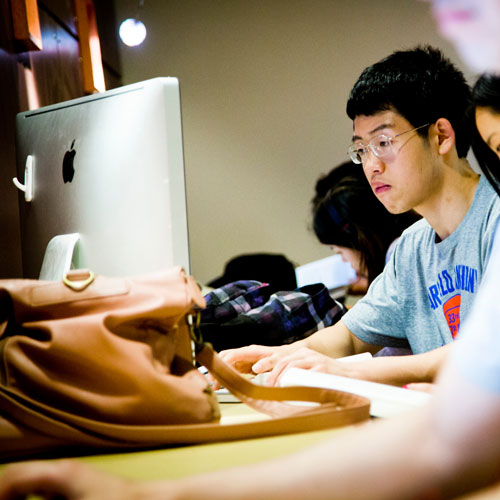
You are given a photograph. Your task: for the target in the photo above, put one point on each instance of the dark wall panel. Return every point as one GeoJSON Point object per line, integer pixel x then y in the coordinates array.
{"type": "Point", "coordinates": [10, 249]}
{"type": "Point", "coordinates": [57, 77]}
{"type": "Point", "coordinates": [57, 67]}
{"type": "Point", "coordinates": [62, 11]}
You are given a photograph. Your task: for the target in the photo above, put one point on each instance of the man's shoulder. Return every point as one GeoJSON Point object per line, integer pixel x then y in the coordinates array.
{"type": "Point", "coordinates": [494, 212]}
{"type": "Point", "coordinates": [486, 193]}
{"type": "Point", "coordinates": [417, 230]}
{"type": "Point", "coordinates": [414, 238]}
{"type": "Point", "coordinates": [490, 204]}
{"type": "Point", "coordinates": [494, 201]}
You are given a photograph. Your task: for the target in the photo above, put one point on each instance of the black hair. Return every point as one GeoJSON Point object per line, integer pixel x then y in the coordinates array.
{"type": "Point", "coordinates": [422, 85]}
{"type": "Point", "coordinates": [486, 94]}
{"type": "Point", "coordinates": [346, 213]}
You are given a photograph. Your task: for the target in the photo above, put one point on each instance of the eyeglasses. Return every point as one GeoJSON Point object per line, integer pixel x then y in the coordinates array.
{"type": "Point", "coordinates": [381, 146]}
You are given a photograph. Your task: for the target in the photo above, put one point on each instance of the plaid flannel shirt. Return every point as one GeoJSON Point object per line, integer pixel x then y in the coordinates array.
{"type": "Point", "coordinates": [248, 312]}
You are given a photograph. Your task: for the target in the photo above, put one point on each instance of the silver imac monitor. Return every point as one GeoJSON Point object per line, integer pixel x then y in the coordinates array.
{"type": "Point", "coordinates": [110, 168]}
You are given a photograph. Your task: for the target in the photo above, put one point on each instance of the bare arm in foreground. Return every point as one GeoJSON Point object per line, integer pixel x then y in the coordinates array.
{"type": "Point", "coordinates": [441, 451]}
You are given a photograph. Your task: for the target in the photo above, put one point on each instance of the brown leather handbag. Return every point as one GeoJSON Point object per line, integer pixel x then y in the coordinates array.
{"type": "Point", "coordinates": [96, 364]}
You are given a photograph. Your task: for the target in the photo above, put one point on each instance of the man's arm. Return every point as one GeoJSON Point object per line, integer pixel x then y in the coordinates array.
{"type": "Point", "coordinates": [318, 351]}
{"type": "Point", "coordinates": [335, 342]}
{"type": "Point", "coordinates": [397, 370]}
{"type": "Point", "coordinates": [394, 370]}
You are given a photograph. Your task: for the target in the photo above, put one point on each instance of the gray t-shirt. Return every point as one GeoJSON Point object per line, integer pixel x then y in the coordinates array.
{"type": "Point", "coordinates": [427, 287]}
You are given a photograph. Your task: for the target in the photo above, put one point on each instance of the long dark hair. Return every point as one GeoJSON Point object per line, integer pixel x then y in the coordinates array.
{"type": "Point", "coordinates": [346, 213]}
{"type": "Point", "coordinates": [486, 94]}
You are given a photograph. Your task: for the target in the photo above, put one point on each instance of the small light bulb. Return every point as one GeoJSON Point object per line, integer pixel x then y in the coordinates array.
{"type": "Point", "coordinates": [132, 32]}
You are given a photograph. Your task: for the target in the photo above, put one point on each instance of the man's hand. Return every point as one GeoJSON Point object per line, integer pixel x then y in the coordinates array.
{"type": "Point", "coordinates": [333, 342]}
{"type": "Point", "coordinates": [308, 359]}
{"type": "Point", "coordinates": [253, 359]}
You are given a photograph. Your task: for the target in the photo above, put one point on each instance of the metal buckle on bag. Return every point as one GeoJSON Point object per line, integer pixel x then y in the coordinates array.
{"type": "Point", "coordinates": [193, 321]}
{"type": "Point", "coordinates": [78, 280]}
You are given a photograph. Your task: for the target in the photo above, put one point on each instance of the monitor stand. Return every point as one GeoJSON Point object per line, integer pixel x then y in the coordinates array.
{"type": "Point", "coordinates": [59, 256]}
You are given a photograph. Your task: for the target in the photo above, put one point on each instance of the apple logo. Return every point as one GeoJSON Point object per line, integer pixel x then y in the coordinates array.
{"type": "Point", "coordinates": [68, 169]}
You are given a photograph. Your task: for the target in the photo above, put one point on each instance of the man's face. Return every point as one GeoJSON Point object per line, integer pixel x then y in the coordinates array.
{"type": "Point", "coordinates": [404, 179]}
{"type": "Point", "coordinates": [474, 27]}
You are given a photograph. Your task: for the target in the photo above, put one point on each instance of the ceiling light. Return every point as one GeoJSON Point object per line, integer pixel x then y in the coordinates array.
{"type": "Point", "coordinates": [132, 31]}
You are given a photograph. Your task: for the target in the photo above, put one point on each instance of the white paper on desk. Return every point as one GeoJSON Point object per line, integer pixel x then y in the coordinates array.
{"type": "Point", "coordinates": [386, 400]}
{"type": "Point", "coordinates": [356, 357]}
{"type": "Point", "coordinates": [58, 257]}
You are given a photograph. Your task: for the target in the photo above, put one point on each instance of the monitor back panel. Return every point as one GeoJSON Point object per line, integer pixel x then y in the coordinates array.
{"type": "Point", "coordinates": [127, 195]}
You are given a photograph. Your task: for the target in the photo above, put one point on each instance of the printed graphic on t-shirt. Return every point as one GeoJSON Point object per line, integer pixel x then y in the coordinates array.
{"type": "Point", "coordinates": [451, 310]}
{"type": "Point", "coordinates": [447, 292]}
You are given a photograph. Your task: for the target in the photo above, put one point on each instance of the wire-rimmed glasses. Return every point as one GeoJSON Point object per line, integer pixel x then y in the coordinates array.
{"type": "Point", "coordinates": [381, 146]}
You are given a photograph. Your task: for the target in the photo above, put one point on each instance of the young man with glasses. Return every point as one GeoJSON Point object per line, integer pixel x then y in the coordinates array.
{"type": "Point", "coordinates": [411, 139]}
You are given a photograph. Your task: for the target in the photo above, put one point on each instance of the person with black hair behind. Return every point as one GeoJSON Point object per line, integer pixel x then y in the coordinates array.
{"type": "Point", "coordinates": [486, 114]}
{"type": "Point", "coordinates": [347, 217]}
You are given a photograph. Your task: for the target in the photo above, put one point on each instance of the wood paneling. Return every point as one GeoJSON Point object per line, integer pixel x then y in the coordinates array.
{"type": "Point", "coordinates": [19, 26]}
{"type": "Point", "coordinates": [55, 74]}
{"type": "Point", "coordinates": [110, 41]}
{"type": "Point", "coordinates": [57, 68]}
{"type": "Point", "coordinates": [63, 13]}
{"type": "Point", "coordinates": [26, 25]}
{"type": "Point", "coordinates": [90, 47]}
{"type": "Point", "coordinates": [111, 78]}
{"type": "Point", "coordinates": [10, 247]}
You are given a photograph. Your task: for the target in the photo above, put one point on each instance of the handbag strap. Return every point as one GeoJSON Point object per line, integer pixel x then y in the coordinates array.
{"type": "Point", "coordinates": [343, 408]}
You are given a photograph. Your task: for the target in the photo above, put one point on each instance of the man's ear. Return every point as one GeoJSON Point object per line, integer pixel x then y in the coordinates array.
{"type": "Point", "coordinates": [445, 135]}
